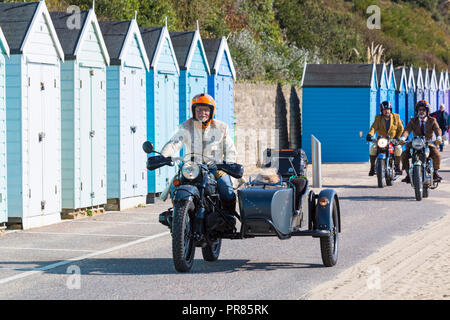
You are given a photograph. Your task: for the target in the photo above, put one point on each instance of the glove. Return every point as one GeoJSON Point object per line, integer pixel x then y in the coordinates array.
{"type": "Point", "coordinates": [369, 138]}
{"type": "Point", "coordinates": [438, 141]}
{"type": "Point", "coordinates": [401, 141]}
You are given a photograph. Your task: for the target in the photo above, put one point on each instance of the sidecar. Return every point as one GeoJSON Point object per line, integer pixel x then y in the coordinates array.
{"type": "Point", "coordinates": [278, 209]}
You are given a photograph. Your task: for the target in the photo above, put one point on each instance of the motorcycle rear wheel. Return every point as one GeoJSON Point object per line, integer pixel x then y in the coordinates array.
{"type": "Point", "coordinates": [183, 247]}
{"type": "Point", "coordinates": [417, 181]}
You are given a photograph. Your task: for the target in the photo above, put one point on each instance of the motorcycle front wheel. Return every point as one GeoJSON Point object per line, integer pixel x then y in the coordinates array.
{"type": "Point", "coordinates": [381, 173]}
{"type": "Point", "coordinates": [417, 181]}
{"type": "Point", "coordinates": [183, 248]}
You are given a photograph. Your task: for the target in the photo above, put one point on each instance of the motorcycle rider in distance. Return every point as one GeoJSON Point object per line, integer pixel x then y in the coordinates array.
{"type": "Point", "coordinates": [207, 138]}
{"type": "Point", "coordinates": [386, 124]}
{"type": "Point", "coordinates": [422, 125]}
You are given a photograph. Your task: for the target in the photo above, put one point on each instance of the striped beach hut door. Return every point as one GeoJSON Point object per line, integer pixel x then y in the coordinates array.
{"type": "Point", "coordinates": [92, 180]}
{"type": "Point", "coordinates": [43, 190]}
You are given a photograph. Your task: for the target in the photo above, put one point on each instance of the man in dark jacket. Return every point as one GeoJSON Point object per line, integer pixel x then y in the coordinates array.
{"type": "Point", "coordinates": [442, 119]}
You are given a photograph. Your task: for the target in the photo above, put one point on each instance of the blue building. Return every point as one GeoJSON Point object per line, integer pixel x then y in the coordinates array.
{"type": "Point", "coordinates": [4, 52]}
{"type": "Point", "coordinates": [126, 114]}
{"type": "Point", "coordinates": [162, 99]}
{"type": "Point", "coordinates": [194, 68]}
{"type": "Point", "coordinates": [83, 109]}
{"type": "Point", "coordinates": [221, 80]}
{"type": "Point", "coordinates": [339, 106]}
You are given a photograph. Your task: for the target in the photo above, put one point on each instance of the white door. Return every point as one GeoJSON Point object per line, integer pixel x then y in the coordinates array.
{"type": "Point", "coordinates": [35, 141]}
{"type": "Point", "coordinates": [52, 138]}
{"type": "Point", "coordinates": [85, 139]}
{"type": "Point", "coordinates": [98, 136]}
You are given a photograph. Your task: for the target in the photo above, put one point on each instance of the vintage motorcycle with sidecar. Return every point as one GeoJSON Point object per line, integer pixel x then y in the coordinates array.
{"type": "Point", "coordinates": [266, 209]}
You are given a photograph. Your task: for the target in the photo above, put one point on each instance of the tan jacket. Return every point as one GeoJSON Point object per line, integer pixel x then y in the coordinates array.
{"type": "Point", "coordinates": [213, 142]}
{"type": "Point", "coordinates": [431, 126]}
{"type": "Point", "coordinates": [379, 126]}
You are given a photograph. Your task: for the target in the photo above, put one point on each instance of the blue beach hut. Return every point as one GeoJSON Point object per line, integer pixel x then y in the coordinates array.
{"type": "Point", "coordinates": [420, 85]}
{"type": "Point", "coordinates": [4, 52]}
{"type": "Point", "coordinates": [339, 106]}
{"type": "Point", "coordinates": [447, 92]}
{"type": "Point", "coordinates": [162, 100]}
{"type": "Point", "coordinates": [427, 86]}
{"type": "Point", "coordinates": [434, 87]}
{"type": "Point", "coordinates": [126, 114]}
{"type": "Point", "coordinates": [410, 94]}
{"type": "Point", "coordinates": [441, 90]}
{"type": "Point", "coordinates": [33, 114]}
{"type": "Point", "coordinates": [194, 68]}
{"type": "Point", "coordinates": [383, 85]}
{"type": "Point", "coordinates": [400, 94]}
{"type": "Point", "coordinates": [83, 109]}
{"type": "Point", "coordinates": [392, 85]}
{"type": "Point", "coordinates": [221, 80]}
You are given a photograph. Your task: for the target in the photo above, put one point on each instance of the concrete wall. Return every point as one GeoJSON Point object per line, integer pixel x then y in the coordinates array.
{"type": "Point", "coordinates": [267, 116]}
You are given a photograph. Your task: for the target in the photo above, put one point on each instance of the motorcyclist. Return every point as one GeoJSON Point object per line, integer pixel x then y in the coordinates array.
{"type": "Point", "coordinates": [422, 125]}
{"type": "Point", "coordinates": [386, 124]}
{"type": "Point", "coordinates": [207, 138]}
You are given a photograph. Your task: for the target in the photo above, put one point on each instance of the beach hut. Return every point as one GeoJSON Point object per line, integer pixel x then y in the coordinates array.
{"type": "Point", "coordinates": [221, 80]}
{"type": "Point", "coordinates": [427, 86]}
{"type": "Point", "coordinates": [339, 106]}
{"type": "Point", "coordinates": [383, 85]}
{"type": "Point", "coordinates": [420, 85]}
{"type": "Point", "coordinates": [33, 114]}
{"type": "Point", "coordinates": [4, 52]}
{"type": "Point", "coordinates": [126, 111]}
{"type": "Point", "coordinates": [392, 85]}
{"type": "Point", "coordinates": [447, 92]}
{"type": "Point", "coordinates": [440, 95]}
{"type": "Point", "coordinates": [194, 68]}
{"type": "Point", "coordinates": [410, 94]}
{"type": "Point", "coordinates": [83, 110]}
{"type": "Point", "coordinates": [434, 86]}
{"type": "Point", "coordinates": [162, 100]}
{"type": "Point", "coordinates": [400, 94]}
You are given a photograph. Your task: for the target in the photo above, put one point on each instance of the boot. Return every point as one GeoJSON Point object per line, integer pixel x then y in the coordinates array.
{"type": "Point", "coordinates": [372, 165]}
{"type": "Point", "coordinates": [436, 176]}
{"type": "Point", "coordinates": [407, 179]}
{"type": "Point", "coordinates": [229, 207]}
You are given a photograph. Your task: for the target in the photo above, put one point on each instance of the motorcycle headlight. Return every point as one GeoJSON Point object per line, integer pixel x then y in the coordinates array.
{"type": "Point", "coordinates": [418, 143]}
{"type": "Point", "coordinates": [190, 170]}
{"type": "Point", "coordinates": [382, 143]}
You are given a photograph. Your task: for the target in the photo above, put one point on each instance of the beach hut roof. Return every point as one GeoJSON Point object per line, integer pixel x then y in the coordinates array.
{"type": "Point", "coordinates": [118, 35]}
{"type": "Point", "coordinates": [17, 20]}
{"type": "Point", "coordinates": [71, 38]}
{"type": "Point", "coordinates": [339, 75]}
{"type": "Point", "coordinates": [418, 78]}
{"type": "Point", "coordinates": [184, 44]}
{"type": "Point", "coordinates": [400, 76]}
{"type": "Point", "coordinates": [153, 39]}
{"type": "Point", "coordinates": [215, 50]}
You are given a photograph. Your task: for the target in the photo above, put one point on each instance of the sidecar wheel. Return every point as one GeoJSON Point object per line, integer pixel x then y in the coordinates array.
{"type": "Point", "coordinates": [183, 248]}
{"type": "Point", "coordinates": [211, 252]}
{"type": "Point", "coordinates": [329, 245]}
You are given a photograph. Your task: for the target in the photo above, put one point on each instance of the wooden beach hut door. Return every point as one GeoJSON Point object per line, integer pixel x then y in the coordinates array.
{"type": "Point", "coordinates": [43, 193]}
{"type": "Point", "coordinates": [92, 184]}
{"type": "Point", "coordinates": [134, 133]}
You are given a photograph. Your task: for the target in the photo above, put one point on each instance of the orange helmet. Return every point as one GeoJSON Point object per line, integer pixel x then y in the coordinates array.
{"type": "Point", "coordinates": [204, 99]}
